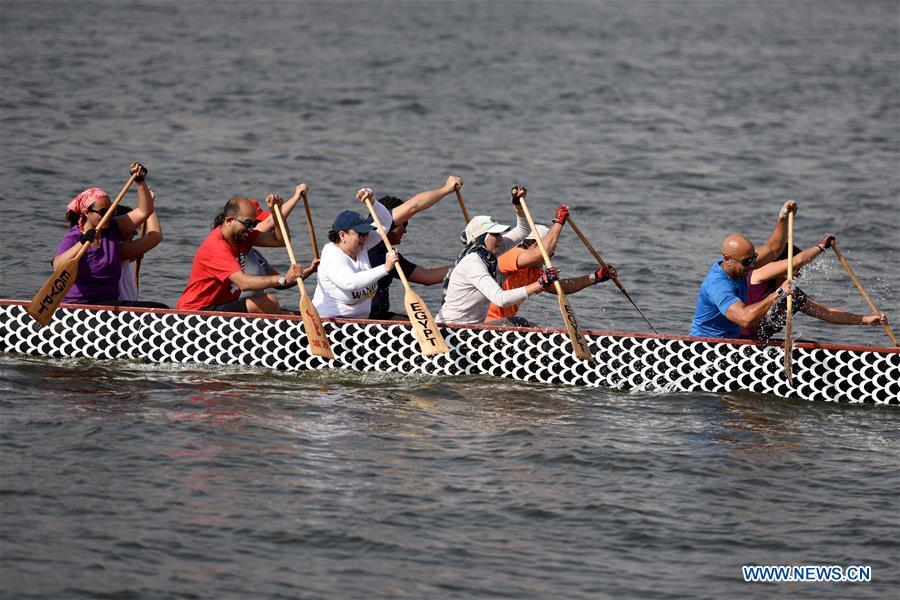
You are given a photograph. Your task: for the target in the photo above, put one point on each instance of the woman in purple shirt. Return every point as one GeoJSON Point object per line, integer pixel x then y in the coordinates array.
{"type": "Point", "coordinates": [761, 282]}
{"type": "Point", "coordinates": [100, 267]}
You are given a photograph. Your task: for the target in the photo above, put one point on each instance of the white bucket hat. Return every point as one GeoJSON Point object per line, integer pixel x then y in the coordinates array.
{"type": "Point", "coordinates": [482, 224]}
{"type": "Point", "coordinates": [542, 231]}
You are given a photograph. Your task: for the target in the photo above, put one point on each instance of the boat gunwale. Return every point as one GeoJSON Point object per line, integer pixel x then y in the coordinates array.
{"type": "Point", "coordinates": [808, 345]}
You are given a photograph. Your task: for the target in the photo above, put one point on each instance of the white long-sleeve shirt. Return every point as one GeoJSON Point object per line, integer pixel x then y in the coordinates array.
{"type": "Point", "coordinates": [345, 285]}
{"type": "Point", "coordinates": [471, 289]}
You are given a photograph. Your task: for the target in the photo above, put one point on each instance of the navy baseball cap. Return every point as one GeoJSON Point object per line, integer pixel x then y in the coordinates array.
{"type": "Point", "coordinates": [352, 220]}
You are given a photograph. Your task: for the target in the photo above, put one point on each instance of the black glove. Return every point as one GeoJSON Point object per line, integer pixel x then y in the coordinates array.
{"type": "Point", "coordinates": [88, 236]}
{"type": "Point", "coordinates": [140, 170]}
{"type": "Point", "coordinates": [516, 192]}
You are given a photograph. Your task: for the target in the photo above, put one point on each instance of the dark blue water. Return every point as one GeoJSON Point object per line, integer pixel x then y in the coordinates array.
{"type": "Point", "coordinates": [665, 126]}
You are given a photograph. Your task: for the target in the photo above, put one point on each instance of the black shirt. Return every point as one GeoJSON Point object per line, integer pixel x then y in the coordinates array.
{"type": "Point", "coordinates": [381, 301]}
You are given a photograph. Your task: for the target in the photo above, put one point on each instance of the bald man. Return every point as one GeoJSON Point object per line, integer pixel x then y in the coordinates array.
{"type": "Point", "coordinates": [721, 304]}
{"type": "Point", "coordinates": [217, 275]}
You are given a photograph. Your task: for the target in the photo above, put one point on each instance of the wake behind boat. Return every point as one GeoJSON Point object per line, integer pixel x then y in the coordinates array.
{"type": "Point", "coordinates": [625, 361]}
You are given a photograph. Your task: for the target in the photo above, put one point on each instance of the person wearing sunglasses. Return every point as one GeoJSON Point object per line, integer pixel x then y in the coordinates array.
{"type": "Point", "coordinates": [763, 281]}
{"type": "Point", "coordinates": [100, 269]}
{"type": "Point", "coordinates": [722, 308]}
{"type": "Point", "coordinates": [217, 276]}
{"type": "Point", "coordinates": [253, 262]}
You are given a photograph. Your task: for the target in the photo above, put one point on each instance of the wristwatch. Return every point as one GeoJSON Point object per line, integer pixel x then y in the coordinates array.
{"type": "Point", "coordinates": [281, 280]}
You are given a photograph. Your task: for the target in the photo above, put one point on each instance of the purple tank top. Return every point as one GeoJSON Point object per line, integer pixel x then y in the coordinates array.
{"type": "Point", "coordinates": [99, 269]}
{"type": "Point", "coordinates": [756, 292]}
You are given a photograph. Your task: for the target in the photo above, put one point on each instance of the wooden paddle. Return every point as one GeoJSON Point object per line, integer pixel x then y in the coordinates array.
{"type": "Point", "coordinates": [312, 323]}
{"type": "Point", "coordinates": [51, 294]}
{"type": "Point", "coordinates": [789, 317]}
{"type": "Point", "coordinates": [603, 264]}
{"type": "Point", "coordinates": [312, 229]}
{"type": "Point", "coordinates": [862, 291]}
{"type": "Point", "coordinates": [430, 340]}
{"type": "Point", "coordinates": [462, 205]}
{"type": "Point", "coordinates": [579, 344]}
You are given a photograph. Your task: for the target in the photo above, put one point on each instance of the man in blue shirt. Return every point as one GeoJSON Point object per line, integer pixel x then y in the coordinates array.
{"type": "Point", "coordinates": [721, 304]}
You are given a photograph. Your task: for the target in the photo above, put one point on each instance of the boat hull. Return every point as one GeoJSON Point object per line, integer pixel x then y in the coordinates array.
{"type": "Point", "coordinates": [822, 372]}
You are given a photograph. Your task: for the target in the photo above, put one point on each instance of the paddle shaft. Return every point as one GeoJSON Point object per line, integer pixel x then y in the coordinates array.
{"type": "Point", "coordinates": [279, 218]}
{"type": "Point", "coordinates": [603, 264]}
{"type": "Point", "coordinates": [109, 213]}
{"type": "Point", "coordinates": [312, 229]}
{"type": "Point", "coordinates": [462, 206]}
{"type": "Point", "coordinates": [579, 344]}
{"type": "Point", "coordinates": [788, 323]}
{"type": "Point", "coordinates": [387, 244]}
{"type": "Point", "coordinates": [431, 341]}
{"type": "Point", "coordinates": [862, 291]}
{"type": "Point", "coordinates": [315, 333]}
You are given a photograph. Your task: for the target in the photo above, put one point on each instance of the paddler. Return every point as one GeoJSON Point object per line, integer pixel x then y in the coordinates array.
{"type": "Point", "coordinates": [401, 212]}
{"type": "Point", "coordinates": [721, 309]}
{"type": "Point", "coordinates": [763, 281]}
{"type": "Point", "coordinates": [100, 269]}
{"type": "Point", "coordinates": [217, 278]}
{"type": "Point", "coordinates": [471, 284]}
{"type": "Point", "coordinates": [347, 281]}
{"type": "Point", "coordinates": [523, 265]}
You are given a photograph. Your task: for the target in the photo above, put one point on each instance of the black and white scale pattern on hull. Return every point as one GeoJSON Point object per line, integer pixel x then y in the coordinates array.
{"type": "Point", "coordinates": [622, 362]}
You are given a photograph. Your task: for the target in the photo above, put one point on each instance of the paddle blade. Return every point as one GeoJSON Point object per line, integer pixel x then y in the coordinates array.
{"type": "Point", "coordinates": [53, 291]}
{"type": "Point", "coordinates": [315, 333]}
{"type": "Point", "coordinates": [579, 343]}
{"type": "Point", "coordinates": [430, 340]}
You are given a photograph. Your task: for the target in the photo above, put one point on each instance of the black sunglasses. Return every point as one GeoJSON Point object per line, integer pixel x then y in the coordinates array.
{"type": "Point", "coordinates": [102, 212]}
{"type": "Point", "coordinates": [747, 261]}
{"type": "Point", "coordinates": [248, 223]}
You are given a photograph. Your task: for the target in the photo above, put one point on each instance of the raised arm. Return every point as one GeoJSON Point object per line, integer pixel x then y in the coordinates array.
{"type": "Point", "coordinates": [778, 268]}
{"type": "Point", "coordinates": [424, 200]}
{"type": "Point", "coordinates": [272, 239]}
{"type": "Point", "coordinates": [134, 218]}
{"type": "Point", "coordinates": [532, 256]}
{"type": "Point", "coordinates": [773, 248]}
{"type": "Point", "coordinates": [268, 224]}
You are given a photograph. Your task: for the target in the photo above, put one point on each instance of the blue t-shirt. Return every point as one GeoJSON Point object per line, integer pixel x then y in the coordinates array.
{"type": "Point", "coordinates": [381, 301]}
{"type": "Point", "coordinates": [717, 293]}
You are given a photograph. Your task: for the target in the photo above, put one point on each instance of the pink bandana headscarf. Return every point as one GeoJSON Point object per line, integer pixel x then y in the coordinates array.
{"type": "Point", "coordinates": [83, 201]}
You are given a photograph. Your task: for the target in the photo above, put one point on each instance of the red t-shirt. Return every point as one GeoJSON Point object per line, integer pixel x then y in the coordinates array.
{"type": "Point", "coordinates": [215, 261]}
{"type": "Point", "coordinates": [515, 278]}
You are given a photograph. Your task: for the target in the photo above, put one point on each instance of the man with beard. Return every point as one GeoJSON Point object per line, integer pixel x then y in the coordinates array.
{"type": "Point", "coordinates": [217, 277]}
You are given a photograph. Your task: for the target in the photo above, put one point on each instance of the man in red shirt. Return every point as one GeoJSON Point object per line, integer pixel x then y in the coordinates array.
{"type": "Point", "coordinates": [523, 265]}
{"type": "Point", "coordinates": [217, 277]}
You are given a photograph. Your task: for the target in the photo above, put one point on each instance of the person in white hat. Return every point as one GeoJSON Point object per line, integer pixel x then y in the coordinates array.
{"type": "Point", "coordinates": [522, 265]}
{"type": "Point", "coordinates": [471, 284]}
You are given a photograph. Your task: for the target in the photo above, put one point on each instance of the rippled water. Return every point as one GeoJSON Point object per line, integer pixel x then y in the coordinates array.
{"type": "Point", "coordinates": [664, 125]}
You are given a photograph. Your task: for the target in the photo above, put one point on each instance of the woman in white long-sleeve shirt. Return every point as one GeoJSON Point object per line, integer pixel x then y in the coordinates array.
{"type": "Point", "coordinates": [471, 284]}
{"type": "Point", "coordinates": [346, 279]}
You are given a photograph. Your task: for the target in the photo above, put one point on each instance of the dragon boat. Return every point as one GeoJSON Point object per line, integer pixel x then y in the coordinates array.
{"type": "Point", "coordinates": [625, 361]}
